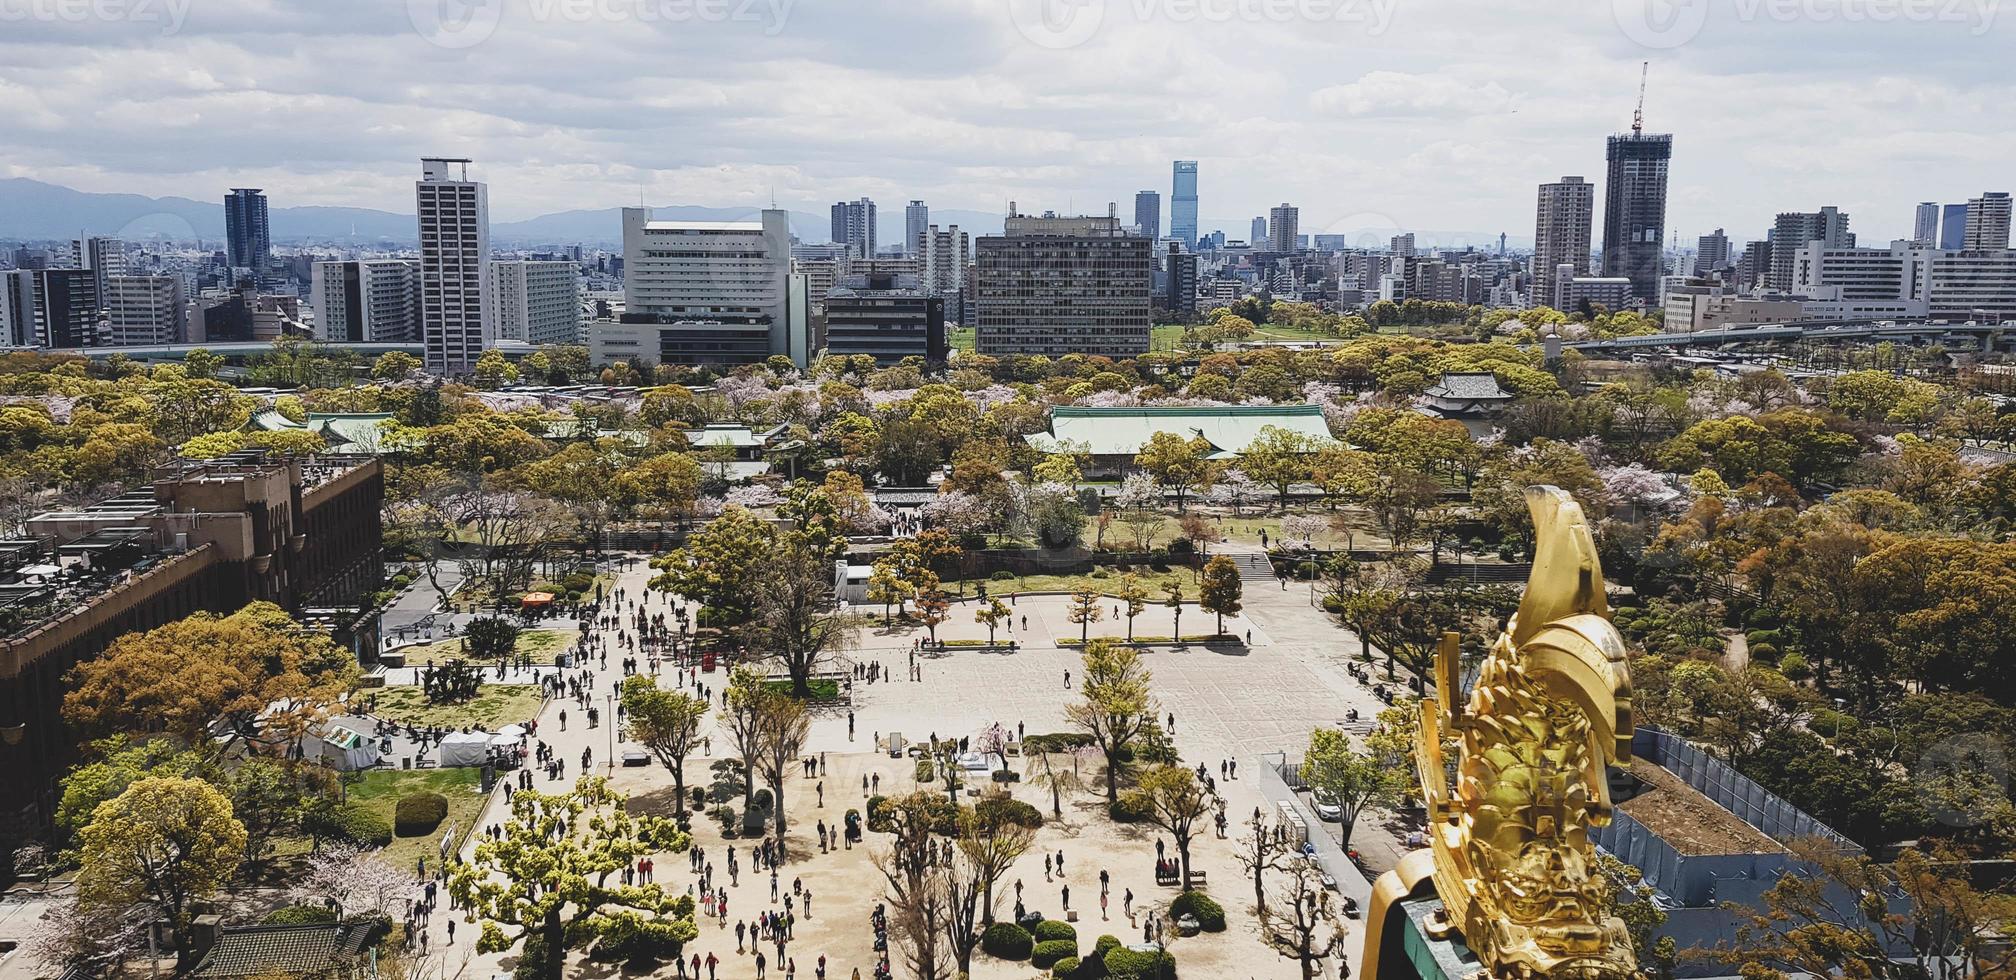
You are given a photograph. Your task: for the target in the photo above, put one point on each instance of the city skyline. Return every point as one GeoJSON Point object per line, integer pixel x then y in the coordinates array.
{"type": "Point", "coordinates": [802, 117]}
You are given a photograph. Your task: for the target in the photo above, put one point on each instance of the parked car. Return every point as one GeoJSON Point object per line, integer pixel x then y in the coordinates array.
{"type": "Point", "coordinates": [1327, 807]}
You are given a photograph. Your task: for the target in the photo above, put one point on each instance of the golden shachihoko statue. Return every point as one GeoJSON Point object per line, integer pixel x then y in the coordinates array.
{"type": "Point", "coordinates": [1509, 852]}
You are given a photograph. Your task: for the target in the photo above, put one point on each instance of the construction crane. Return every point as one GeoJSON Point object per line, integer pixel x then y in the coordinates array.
{"type": "Point", "coordinates": [1638, 115]}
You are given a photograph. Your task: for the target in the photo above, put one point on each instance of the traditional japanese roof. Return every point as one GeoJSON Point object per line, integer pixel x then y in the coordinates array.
{"type": "Point", "coordinates": [294, 950]}
{"type": "Point", "coordinates": [347, 432]}
{"type": "Point", "coordinates": [1469, 386]}
{"type": "Point", "coordinates": [1229, 429]}
{"type": "Point", "coordinates": [725, 434]}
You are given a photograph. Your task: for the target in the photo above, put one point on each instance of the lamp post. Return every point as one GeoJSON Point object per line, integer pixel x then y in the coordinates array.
{"type": "Point", "coordinates": [610, 700]}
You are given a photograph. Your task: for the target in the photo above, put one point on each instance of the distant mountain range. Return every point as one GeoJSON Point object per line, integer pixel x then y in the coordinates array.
{"type": "Point", "coordinates": [31, 210]}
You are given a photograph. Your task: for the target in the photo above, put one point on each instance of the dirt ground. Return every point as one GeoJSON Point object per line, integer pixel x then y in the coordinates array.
{"type": "Point", "coordinates": [1692, 823]}
{"type": "Point", "coordinates": [845, 883]}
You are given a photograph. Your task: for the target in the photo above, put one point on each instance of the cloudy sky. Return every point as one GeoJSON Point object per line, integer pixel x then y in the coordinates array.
{"type": "Point", "coordinates": [1368, 114]}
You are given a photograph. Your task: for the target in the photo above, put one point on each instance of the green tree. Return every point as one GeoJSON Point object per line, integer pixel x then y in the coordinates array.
{"type": "Point", "coordinates": [394, 366]}
{"type": "Point", "coordinates": [1176, 463]}
{"type": "Point", "coordinates": [1353, 780]}
{"type": "Point", "coordinates": [1173, 798]}
{"type": "Point", "coordinates": [1221, 589]}
{"type": "Point", "coordinates": [720, 567]}
{"type": "Point", "coordinates": [549, 878]}
{"type": "Point", "coordinates": [172, 842]}
{"type": "Point", "coordinates": [667, 724]}
{"type": "Point", "coordinates": [492, 370]}
{"type": "Point", "coordinates": [1279, 458]}
{"type": "Point", "coordinates": [1117, 704]}
{"type": "Point", "coordinates": [1086, 609]}
{"type": "Point", "coordinates": [1172, 597]}
{"type": "Point", "coordinates": [1135, 595]}
{"type": "Point", "coordinates": [992, 613]}
{"type": "Point", "coordinates": [782, 726]}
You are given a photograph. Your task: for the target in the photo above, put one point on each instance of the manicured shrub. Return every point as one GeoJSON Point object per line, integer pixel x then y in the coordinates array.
{"type": "Point", "coordinates": [419, 813]}
{"type": "Point", "coordinates": [1052, 930]}
{"type": "Point", "coordinates": [1107, 943]}
{"type": "Point", "coordinates": [998, 811]}
{"type": "Point", "coordinates": [1065, 969]}
{"type": "Point", "coordinates": [364, 828]}
{"type": "Point", "coordinates": [760, 800]}
{"type": "Point", "coordinates": [878, 814]}
{"type": "Point", "coordinates": [1046, 954]}
{"type": "Point", "coordinates": [1007, 941]}
{"type": "Point", "coordinates": [926, 771]}
{"type": "Point", "coordinates": [1056, 742]}
{"type": "Point", "coordinates": [1003, 575]}
{"type": "Point", "coordinates": [1209, 913]}
{"type": "Point", "coordinates": [1126, 964]}
{"type": "Point", "coordinates": [1129, 808]}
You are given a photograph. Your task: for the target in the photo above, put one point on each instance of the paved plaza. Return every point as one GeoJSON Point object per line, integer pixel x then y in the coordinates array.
{"type": "Point", "coordinates": [1229, 702]}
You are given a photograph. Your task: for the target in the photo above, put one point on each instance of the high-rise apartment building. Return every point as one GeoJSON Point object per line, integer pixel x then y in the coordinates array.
{"type": "Point", "coordinates": [1562, 221]}
{"type": "Point", "coordinates": [102, 257]}
{"type": "Point", "coordinates": [1711, 252]}
{"type": "Point", "coordinates": [1793, 230]}
{"type": "Point", "coordinates": [1753, 265]}
{"type": "Point", "coordinates": [916, 218]}
{"type": "Point", "coordinates": [1953, 226]}
{"type": "Point", "coordinates": [1284, 228]}
{"type": "Point", "coordinates": [536, 302]}
{"type": "Point", "coordinates": [1183, 203]}
{"type": "Point", "coordinates": [143, 310]}
{"type": "Point", "coordinates": [17, 308]}
{"type": "Point", "coordinates": [1148, 214]}
{"type": "Point", "coordinates": [1925, 230]}
{"type": "Point", "coordinates": [947, 253]}
{"type": "Point", "coordinates": [1955, 285]}
{"type": "Point", "coordinates": [247, 235]}
{"type": "Point", "coordinates": [1634, 209]}
{"type": "Point", "coordinates": [1058, 286]}
{"type": "Point", "coordinates": [1182, 278]}
{"type": "Point", "coordinates": [1401, 245]}
{"type": "Point", "coordinates": [454, 264]}
{"type": "Point", "coordinates": [366, 301]}
{"type": "Point", "coordinates": [854, 226]}
{"type": "Point", "coordinates": [1987, 222]}
{"type": "Point", "coordinates": [61, 305]}
{"type": "Point", "coordinates": [1258, 238]}
{"type": "Point", "coordinates": [713, 292]}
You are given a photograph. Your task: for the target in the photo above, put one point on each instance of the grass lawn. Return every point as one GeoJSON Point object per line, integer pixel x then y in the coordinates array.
{"type": "Point", "coordinates": [379, 790]}
{"type": "Point", "coordinates": [963, 338]}
{"type": "Point", "coordinates": [1356, 531]}
{"type": "Point", "coordinates": [821, 687]}
{"type": "Point", "coordinates": [540, 645]}
{"type": "Point", "coordinates": [495, 706]}
{"type": "Point", "coordinates": [1153, 580]}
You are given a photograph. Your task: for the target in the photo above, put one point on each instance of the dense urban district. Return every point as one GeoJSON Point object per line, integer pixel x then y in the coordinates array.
{"type": "Point", "coordinates": [943, 656]}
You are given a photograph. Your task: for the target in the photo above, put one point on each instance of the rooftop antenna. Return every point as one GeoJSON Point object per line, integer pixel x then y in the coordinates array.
{"type": "Point", "coordinates": [1638, 115]}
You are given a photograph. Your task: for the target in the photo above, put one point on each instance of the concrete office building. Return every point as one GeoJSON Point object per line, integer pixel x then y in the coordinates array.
{"type": "Point", "coordinates": [143, 310]}
{"type": "Point", "coordinates": [1284, 228]}
{"type": "Point", "coordinates": [1987, 222]}
{"type": "Point", "coordinates": [1056, 286]}
{"type": "Point", "coordinates": [722, 290]}
{"type": "Point", "coordinates": [1794, 230]}
{"type": "Point", "coordinates": [454, 215]}
{"type": "Point", "coordinates": [916, 218]}
{"type": "Point", "coordinates": [854, 227]}
{"type": "Point", "coordinates": [1148, 214]}
{"type": "Point", "coordinates": [886, 316]}
{"type": "Point", "coordinates": [1753, 265]}
{"type": "Point", "coordinates": [1562, 222]}
{"type": "Point", "coordinates": [536, 302]}
{"type": "Point", "coordinates": [1925, 229]}
{"type": "Point", "coordinates": [1970, 285]}
{"type": "Point", "coordinates": [1711, 253]}
{"type": "Point", "coordinates": [17, 308]}
{"type": "Point", "coordinates": [1634, 209]}
{"type": "Point", "coordinates": [1182, 278]}
{"type": "Point", "coordinates": [366, 301]}
{"type": "Point", "coordinates": [248, 238]}
{"type": "Point", "coordinates": [1183, 203]}
{"type": "Point", "coordinates": [1401, 246]}
{"type": "Point", "coordinates": [1610, 292]}
{"type": "Point", "coordinates": [820, 275]}
{"type": "Point", "coordinates": [1257, 238]}
{"type": "Point", "coordinates": [1820, 272]}
{"type": "Point", "coordinates": [1953, 227]}
{"type": "Point", "coordinates": [1952, 285]}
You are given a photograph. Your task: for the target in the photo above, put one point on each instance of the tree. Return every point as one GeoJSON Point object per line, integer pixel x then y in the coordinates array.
{"type": "Point", "coordinates": [667, 724]}
{"type": "Point", "coordinates": [933, 608]}
{"type": "Point", "coordinates": [1175, 462]}
{"type": "Point", "coordinates": [886, 585]}
{"type": "Point", "coordinates": [394, 366]}
{"type": "Point", "coordinates": [1259, 848]}
{"type": "Point", "coordinates": [1221, 590]}
{"type": "Point", "coordinates": [1172, 597]}
{"type": "Point", "coordinates": [1353, 780]}
{"type": "Point", "coordinates": [492, 370]}
{"type": "Point", "coordinates": [744, 721]}
{"type": "Point", "coordinates": [983, 852]}
{"type": "Point", "coordinates": [490, 638]}
{"type": "Point", "coordinates": [1086, 608]}
{"type": "Point", "coordinates": [667, 483]}
{"type": "Point", "coordinates": [782, 726]}
{"type": "Point", "coordinates": [1304, 925]}
{"type": "Point", "coordinates": [1279, 458]}
{"type": "Point", "coordinates": [1173, 798]}
{"type": "Point", "coordinates": [549, 875]}
{"type": "Point", "coordinates": [993, 613]}
{"type": "Point", "coordinates": [1117, 705]}
{"type": "Point", "coordinates": [919, 908]}
{"type": "Point", "coordinates": [168, 841]}
{"type": "Point", "coordinates": [791, 619]}
{"type": "Point", "coordinates": [268, 679]}
{"type": "Point", "coordinates": [359, 881]}
{"type": "Point", "coordinates": [1044, 773]}
{"type": "Point", "coordinates": [1631, 900]}
{"type": "Point", "coordinates": [720, 567]}
{"type": "Point", "coordinates": [1135, 595]}
{"type": "Point", "coordinates": [119, 762]}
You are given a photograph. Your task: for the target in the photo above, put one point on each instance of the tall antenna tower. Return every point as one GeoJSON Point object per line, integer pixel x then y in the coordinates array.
{"type": "Point", "coordinates": [1638, 115]}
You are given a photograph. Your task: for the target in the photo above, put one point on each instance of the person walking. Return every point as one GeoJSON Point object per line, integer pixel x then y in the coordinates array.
{"type": "Point", "coordinates": [1067, 897]}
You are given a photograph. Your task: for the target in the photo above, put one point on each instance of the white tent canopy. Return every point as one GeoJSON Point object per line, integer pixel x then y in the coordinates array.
{"type": "Point", "coordinates": [465, 749]}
